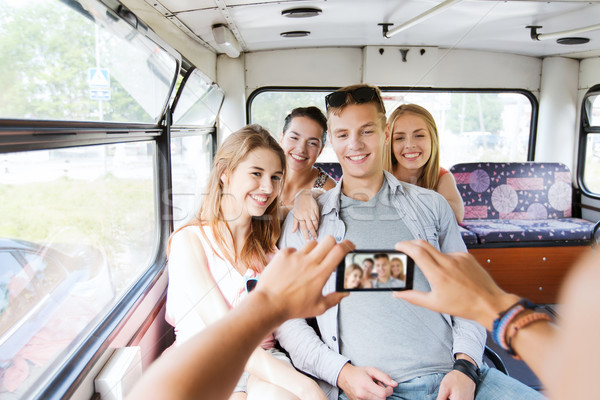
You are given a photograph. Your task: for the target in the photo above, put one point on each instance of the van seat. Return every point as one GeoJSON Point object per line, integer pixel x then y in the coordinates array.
{"type": "Point", "coordinates": [333, 169]}
{"type": "Point", "coordinates": [519, 202]}
{"type": "Point", "coordinates": [467, 236]}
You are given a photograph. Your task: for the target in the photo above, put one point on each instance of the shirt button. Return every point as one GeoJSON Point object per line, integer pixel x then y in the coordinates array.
{"type": "Point", "coordinates": [338, 238]}
{"type": "Point", "coordinates": [334, 339]}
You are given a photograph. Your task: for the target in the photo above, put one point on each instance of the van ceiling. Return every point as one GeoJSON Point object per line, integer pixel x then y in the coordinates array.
{"type": "Point", "coordinates": [467, 24]}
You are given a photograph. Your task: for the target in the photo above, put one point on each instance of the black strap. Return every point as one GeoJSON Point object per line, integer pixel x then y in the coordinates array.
{"type": "Point", "coordinates": [467, 368]}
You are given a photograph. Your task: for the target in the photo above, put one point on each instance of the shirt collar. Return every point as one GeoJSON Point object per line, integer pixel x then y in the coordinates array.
{"type": "Point", "coordinates": [332, 197]}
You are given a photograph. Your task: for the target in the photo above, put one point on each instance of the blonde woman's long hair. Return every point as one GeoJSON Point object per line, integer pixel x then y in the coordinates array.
{"type": "Point", "coordinates": [265, 229]}
{"type": "Point", "coordinates": [430, 173]}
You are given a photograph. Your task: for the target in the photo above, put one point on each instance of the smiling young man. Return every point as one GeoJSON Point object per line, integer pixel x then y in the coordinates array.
{"type": "Point", "coordinates": [373, 346]}
{"type": "Point", "coordinates": [384, 273]}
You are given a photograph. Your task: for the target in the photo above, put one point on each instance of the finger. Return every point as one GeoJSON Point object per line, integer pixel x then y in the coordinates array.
{"type": "Point", "coordinates": [331, 256]}
{"type": "Point", "coordinates": [414, 297]}
{"type": "Point", "coordinates": [419, 250]}
{"type": "Point", "coordinates": [313, 226]}
{"type": "Point", "coordinates": [380, 391]}
{"type": "Point", "coordinates": [331, 300]}
{"type": "Point", "coordinates": [315, 215]}
{"type": "Point", "coordinates": [382, 377]}
{"type": "Point", "coordinates": [323, 247]}
{"type": "Point", "coordinates": [308, 247]}
{"type": "Point", "coordinates": [327, 256]}
{"type": "Point", "coordinates": [295, 225]}
{"type": "Point", "coordinates": [425, 256]}
{"type": "Point", "coordinates": [304, 230]}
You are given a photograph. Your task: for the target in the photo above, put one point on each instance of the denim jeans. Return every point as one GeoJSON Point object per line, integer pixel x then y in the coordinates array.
{"type": "Point", "coordinates": [494, 385]}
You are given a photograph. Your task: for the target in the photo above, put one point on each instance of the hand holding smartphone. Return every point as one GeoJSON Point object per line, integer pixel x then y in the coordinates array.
{"type": "Point", "coordinates": [375, 270]}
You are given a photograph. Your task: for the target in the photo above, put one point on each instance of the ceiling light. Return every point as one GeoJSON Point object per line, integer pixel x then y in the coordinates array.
{"type": "Point", "coordinates": [225, 41]}
{"type": "Point", "coordinates": [301, 12]}
{"type": "Point", "coordinates": [572, 40]}
{"type": "Point", "coordinates": [295, 34]}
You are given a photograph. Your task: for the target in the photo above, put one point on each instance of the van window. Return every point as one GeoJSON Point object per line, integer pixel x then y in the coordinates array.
{"type": "Point", "coordinates": [473, 126]}
{"type": "Point", "coordinates": [80, 225]}
{"type": "Point", "coordinates": [80, 64]}
{"type": "Point", "coordinates": [191, 159]}
{"type": "Point", "coordinates": [199, 102]}
{"type": "Point", "coordinates": [591, 134]}
{"type": "Point", "coordinates": [195, 110]}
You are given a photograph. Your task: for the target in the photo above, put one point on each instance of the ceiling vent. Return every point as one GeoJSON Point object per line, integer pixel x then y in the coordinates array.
{"type": "Point", "coordinates": [572, 40]}
{"type": "Point", "coordinates": [295, 34]}
{"type": "Point", "coordinates": [302, 12]}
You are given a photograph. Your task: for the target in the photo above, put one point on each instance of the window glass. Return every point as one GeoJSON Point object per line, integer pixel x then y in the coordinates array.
{"type": "Point", "coordinates": [78, 61]}
{"type": "Point", "coordinates": [269, 108]}
{"type": "Point", "coordinates": [593, 110]}
{"type": "Point", "coordinates": [199, 102]}
{"type": "Point", "coordinates": [591, 176]}
{"type": "Point", "coordinates": [78, 227]}
{"type": "Point", "coordinates": [473, 126]}
{"type": "Point", "coordinates": [191, 158]}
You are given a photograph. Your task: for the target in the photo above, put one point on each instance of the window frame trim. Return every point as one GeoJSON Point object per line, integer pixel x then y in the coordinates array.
{"type": "Point", "coordinates": [182, 87]}
{"type": "Point", "coordinates": [30, 135]}
{"type": "Point", "coordinates": [586, 129]}
{"type": "Point", "coordinates": [531, 143]}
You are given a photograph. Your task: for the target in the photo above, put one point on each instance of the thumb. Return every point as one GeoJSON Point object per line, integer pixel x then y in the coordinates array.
{"type": "Point", "coordinates": [333, 298]}
{"type": "Point", "coordinates": [444, 393]}
{"type": "Point", "coordinates": [295, 225]}
{"type": "Point", "coordinates": [414, 297]}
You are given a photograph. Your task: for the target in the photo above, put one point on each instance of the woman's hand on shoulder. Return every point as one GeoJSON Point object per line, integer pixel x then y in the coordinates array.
{"type": "Point", "coordinates": [306, 213]}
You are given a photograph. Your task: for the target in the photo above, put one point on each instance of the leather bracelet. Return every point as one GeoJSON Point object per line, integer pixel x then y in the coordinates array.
{"type": "Point", "coordinates": [467, 368]}
{"type": "Point", "coordinates": [521, 323]}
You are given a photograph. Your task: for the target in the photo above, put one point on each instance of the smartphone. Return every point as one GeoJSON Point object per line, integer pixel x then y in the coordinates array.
{"type": "Point", "coordinates": [389, 271]}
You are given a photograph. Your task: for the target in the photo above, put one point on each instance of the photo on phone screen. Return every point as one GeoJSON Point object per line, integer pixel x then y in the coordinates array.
{"type": "Point", "coordinates": [375, 270]}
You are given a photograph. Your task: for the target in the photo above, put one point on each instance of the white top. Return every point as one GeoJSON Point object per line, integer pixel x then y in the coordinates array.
{"type": "Point", "coordinates": [181, 306]}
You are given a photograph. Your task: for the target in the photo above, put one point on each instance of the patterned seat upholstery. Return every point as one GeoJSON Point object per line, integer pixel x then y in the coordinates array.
{"type": "Point", "coordinates": [334, 169]}
{"type": "Point", "coordinates": [515, 202]}
{"type": "Point", "coordinates": [467, 236]}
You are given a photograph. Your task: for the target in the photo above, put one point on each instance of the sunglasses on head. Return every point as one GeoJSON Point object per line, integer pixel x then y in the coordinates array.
{"type": "Point", "coordinates": [251, 284]}
{"type": "Point", "coordinates": [361, 95]}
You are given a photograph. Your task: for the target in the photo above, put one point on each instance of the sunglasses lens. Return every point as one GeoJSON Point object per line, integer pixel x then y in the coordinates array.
{"type": "Point", "coordinates": [251, 284]}
{"type": "Point", "coordinates": [336, 99]}
{"type": "Point", "coordinates": [363, 94]}
{"type": "Point", "coordinates": [360, 95]}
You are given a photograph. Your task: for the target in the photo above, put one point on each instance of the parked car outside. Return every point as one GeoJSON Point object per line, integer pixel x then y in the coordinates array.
{"type": "Point", "coordinates": [48, 296]}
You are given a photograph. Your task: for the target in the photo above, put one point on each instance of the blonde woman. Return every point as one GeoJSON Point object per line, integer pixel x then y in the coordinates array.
{"type": "Point", "coordinates": [413, 154]}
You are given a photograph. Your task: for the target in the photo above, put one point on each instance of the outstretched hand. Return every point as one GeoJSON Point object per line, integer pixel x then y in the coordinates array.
{"type": "Point", "coordinates": [459, 285]}
{"type": "Point", "coordinates": [294, 279]}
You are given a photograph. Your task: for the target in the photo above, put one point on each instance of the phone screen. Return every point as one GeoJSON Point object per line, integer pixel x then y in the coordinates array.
{"type": "Point", "coordinates": [375, 270]}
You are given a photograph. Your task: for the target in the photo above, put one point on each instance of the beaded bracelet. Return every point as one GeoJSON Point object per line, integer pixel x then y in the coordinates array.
{"type": "Point", "coordinates": [521, 323]}
{"type": "Point", "coordinates": [505, 318]}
